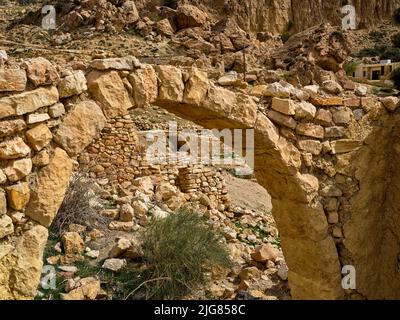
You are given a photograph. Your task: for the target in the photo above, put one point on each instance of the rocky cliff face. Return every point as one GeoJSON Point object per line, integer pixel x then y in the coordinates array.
{"type": "Point", "coordinates": [277, 16]}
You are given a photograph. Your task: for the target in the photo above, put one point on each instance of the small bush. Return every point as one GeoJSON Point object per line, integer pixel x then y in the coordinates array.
{"type": "Point", "coordinates": [338, 34]}
{"type": "Point", "coordinates": [285, 37]}
{"type": "Point", "coordinates": [396, 40]}
{"type": "Point", "coordinates": [173, 4]}
{"type": "Point", "coordinates": [179, 250]}
{"type": "Point", "coordinates": [395, 77]}
{"type": "Point", "coordinates": [351, 67]}
{"type": "Point", "coordinates": [392, 54]}
{"type": "Point", "coordinates": [369, 52]}
{"type": "Point", "coordinates": [80, 206]}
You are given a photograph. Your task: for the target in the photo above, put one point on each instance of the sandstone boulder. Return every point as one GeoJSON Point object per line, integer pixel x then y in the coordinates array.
{"type": "Point", "coordinates": [26, 273]}
{"type": "Point", "coordinates": [72, 243]}
{"type": "Point", "coordinates": [171, 86]}
{"type": "Point", "coordinates": [109, 91]}
{"type": "Point", "coordinates": [28, 101]}
{"type": "Point", "coordinates": [124, 63]}
{"type": "Point", "coordinates": [196, 87]}
{"type": "Point", "coordinates": [85, 289]}
{"type": "Point", "coordinates": [72, 85]}
{"type": "Point", "coordinates": [18, 169]}
{"type": "Point", "coordinates": [18, 195]}
{"type": "Point", "coordinates": [39, 137]}
{"type": "Point", "coordinates": [11, 127]}
{"type": "Point", "coordinates": [13, 149]}
{"type": "Point", "coordinates": [12, 80]}
{"type": "Point", "coordinates": [119, 248]}
{"type": "Point", "coordinates": [264, 253]}
{"type": "Point", "coordinates": [40, 71]}
{"type": "Point", "coordinates": [52, 179]}
{"type": "Point", "coordinates": [391, 103]}
{"type": "Point", "coordinates": [145, 86]}
{"type": "Point", "coordinates": [189, 16]}
{"type": "Point", "coordinates": [114, 264]}
{"type": "Point", "coordinates": [80, 126]}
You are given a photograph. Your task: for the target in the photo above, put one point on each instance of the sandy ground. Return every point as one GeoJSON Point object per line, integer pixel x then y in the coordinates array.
{"type": "Point", "coordinates": [248, 194]}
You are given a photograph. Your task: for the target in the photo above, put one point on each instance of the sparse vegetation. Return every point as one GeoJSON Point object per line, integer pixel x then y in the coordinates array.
{"type": "Point", "coordinates": [338, 35]}
{"type": "Point", "coordinates": [395, 77]}
{"type": "Point", "coordinates": [80, 206]}
{"type": "Point", "coordinates": [396, 40]}
{"type": "Point", "coordinates": [179, 250]}
{"type": "Point", "coordinates": [351, 67]}
{"type": "Point", "coordinates": [285, 37]}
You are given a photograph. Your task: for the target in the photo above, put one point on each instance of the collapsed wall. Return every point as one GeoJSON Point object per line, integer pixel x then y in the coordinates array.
{"type": "Point", "coordinates": [324, 160]}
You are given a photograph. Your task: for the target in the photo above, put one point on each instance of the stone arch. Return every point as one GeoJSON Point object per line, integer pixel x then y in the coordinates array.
{"type": "Point", "coordinates": [310, 154]}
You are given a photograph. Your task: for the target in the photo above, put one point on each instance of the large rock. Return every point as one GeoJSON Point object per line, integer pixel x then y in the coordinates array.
{"type": "Point", "coordinates": [6, 108]}
{"type": "Point", "coordinates": [25, 275]}
{"type": "Point", "coordinates": [73, 84]}
{"type": "Point", "coordinates": [40, 71]}
{"type": "Point", "coordinates": [72, 243]}
{"type": "Point", "coordinates": [171, 84]}
{"type": "Point", "coordinates": [119, 248]}
{"type": "Point", "coordinates": [12, 80]}
{"type": "Point", "coordinates": [13, 149]}
{"type": "Point", "coordinates": [145, 86]}
{"type": "Point", "coordinates": [28, 101]}
{"type": "Point", "coordinates": [265, 253]}
{"type": "Point", "coordinates": [189, 16]}
{"type": "Point", "coordinates": [124, 63]}
{"type": "Point", "coordinates": [11, 127]}
{"type": "Point", "coordinates": [18, 195]}
{"type": "Point", "coordinates": [109, 91]}
{"type": "Point", "coordinates": [196, 87]}
{"type": "Point", "coordinates": [285, 106]}
{"type": "Point", "coordinates": [51, 180]}
{"type": "Point", "coordinates": [39, 137]}
{"type": "Point", "coordinates": [80, 126]}
{"type": "Point", "coordinates": [87, 289]}
{"type": "Point", "coordinates": [18, 169]}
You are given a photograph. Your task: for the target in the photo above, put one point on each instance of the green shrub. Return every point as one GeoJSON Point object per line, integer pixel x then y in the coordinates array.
{"type": "Point", "coordinates": [395, 77]}
{"type": "Point", "coordinates": [392, 54]}
{"type": "Point", "coordinates": [178, 250]}
{"type": "Point", "coordinates": [351, 67]}
{"type": "Point", "coordinates": [173, 4]}
{"type": "Point", "coordinates": [285, 37]}
{"type": "Point", "coordinates": [338, 35]}
{"type": "Point", "coordinates": [396, 40]}
{"type": "Point", "coordinates": [369, 52]}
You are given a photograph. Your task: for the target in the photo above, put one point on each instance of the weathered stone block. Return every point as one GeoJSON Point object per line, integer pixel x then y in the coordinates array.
{"type": "Point", "coordinates": [39, 137]}
{"type": "Point", "coordinates": [110, 93]}
{"type": "Point", "coordinates": [18, 195]}
{"type": "Point", "coordinates": [12, 80]}
{"type": "Point", "coordinates": [80, 126]}
{"type": "Point", "coordinates": [51, 180]}
{"type": "Point", "coordinates": [282, 119]}
{"type": "Point", "coordinates": [13, 149]}
{"type": "Point", "coordinates": [285, 106]}
{"type": "Point", "coordinates": [145, 86]}
{"type": "Point", "coordinates": [310, 130]}
{"type": "Point", "coordinates": [71, 85]}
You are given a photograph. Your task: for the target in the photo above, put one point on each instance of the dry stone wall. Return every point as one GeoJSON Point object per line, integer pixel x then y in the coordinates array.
{"type": "Point", "coordinates": [324, 160]}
